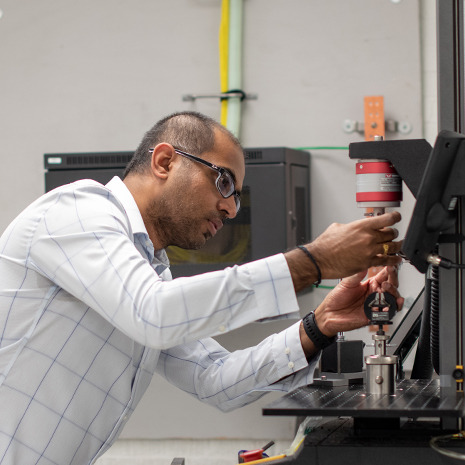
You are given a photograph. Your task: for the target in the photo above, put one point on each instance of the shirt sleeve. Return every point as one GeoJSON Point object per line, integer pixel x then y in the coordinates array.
{"type": "Point", "coordinates": [87, 249]}
{"type": "Point", "coordinates": [228, 380]}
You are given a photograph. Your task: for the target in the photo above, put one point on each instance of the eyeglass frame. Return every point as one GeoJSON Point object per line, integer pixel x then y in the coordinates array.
{"type": "Point", "coordinates": [220, 170]}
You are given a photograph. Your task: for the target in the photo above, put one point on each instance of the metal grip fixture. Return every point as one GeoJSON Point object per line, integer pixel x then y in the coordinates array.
{"type": "Point", "coordinates": [381, 368]}
{"type": "Point", "coordinates": [380, 308]}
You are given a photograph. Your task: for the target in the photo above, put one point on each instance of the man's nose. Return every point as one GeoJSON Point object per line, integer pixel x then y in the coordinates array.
{"type": "Point", "coordinates": [229, 206]}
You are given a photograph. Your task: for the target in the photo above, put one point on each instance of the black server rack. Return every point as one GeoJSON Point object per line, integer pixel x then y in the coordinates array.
{"type": "Point", "coordinates": [275, 204]}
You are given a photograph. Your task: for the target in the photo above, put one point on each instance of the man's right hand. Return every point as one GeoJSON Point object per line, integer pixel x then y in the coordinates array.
{"type": "Point", "coordinates": [345, 249]}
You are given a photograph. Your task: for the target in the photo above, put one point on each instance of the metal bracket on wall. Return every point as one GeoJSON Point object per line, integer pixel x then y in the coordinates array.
{"type": "Point", "coordinates": [221, 96]}
{"type": "Point", "coordinates": [403, 127]}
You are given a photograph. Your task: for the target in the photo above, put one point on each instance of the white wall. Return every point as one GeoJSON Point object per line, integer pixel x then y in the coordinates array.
{"type": "Point", "coordinates": [94, 75]}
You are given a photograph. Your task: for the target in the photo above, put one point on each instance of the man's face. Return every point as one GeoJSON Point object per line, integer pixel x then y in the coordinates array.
{"type": "Point", "coordinates": [191, 210]}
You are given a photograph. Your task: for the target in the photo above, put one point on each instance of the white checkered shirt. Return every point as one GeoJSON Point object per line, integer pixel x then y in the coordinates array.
{"type": "Point", "coordinates": [88, 313]}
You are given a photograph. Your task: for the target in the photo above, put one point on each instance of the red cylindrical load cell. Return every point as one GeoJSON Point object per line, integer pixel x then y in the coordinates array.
{"type": "Point", "coordinates": [378, 184]}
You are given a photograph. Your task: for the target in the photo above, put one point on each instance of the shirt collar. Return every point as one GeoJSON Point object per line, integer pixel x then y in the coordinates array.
{"type": "Point", "coordinates": [123, 194]}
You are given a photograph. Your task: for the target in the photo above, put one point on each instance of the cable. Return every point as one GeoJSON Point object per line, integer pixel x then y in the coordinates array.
{"type": "Point", "coordinates": [321, 148]}
{"type": "Point", "coordinates": [433, 278]}
{"type": "Point", "coordinates": [224, 57]}
{"type": "Point", "coordinates": [448, 453]}
{"type": "Point", "coordinates": [443, 262]}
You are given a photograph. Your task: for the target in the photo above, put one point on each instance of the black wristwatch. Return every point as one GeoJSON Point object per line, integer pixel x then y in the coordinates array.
{"type": "Point", "coordinates": [316, 336]}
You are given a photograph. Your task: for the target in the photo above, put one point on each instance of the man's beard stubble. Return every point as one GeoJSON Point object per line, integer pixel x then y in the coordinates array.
{"type": "Point", "coordinates": [177, 229]}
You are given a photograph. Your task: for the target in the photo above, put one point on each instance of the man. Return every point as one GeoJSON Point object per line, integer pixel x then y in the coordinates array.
{"type": "Point", "coordinates": [89, 312]}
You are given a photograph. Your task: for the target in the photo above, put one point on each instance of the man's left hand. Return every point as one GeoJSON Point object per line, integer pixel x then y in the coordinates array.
{"type": "Point", "coordinates": [343, 307]}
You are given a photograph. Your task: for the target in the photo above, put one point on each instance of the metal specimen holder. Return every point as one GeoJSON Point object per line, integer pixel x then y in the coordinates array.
{"type": "Point", "coordinates": [381, 368]}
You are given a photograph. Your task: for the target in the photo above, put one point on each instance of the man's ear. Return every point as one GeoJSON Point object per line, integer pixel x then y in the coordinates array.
{"type": "Point", "coordinates": [162, 157]}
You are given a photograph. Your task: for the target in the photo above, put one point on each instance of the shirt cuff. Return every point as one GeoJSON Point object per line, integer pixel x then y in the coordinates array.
{"type": "Point", "coordinates": [273, 287]}
{"type": "Point", "coordinates": [287, 351]}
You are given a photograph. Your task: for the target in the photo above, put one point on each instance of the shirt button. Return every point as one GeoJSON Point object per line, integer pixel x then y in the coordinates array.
{"type": "Point", "coordinates": [222, 328]}
{"type": "Point", "coordinates": [287, 351]}
{"type": "Point", "coordinates": [290, 364]}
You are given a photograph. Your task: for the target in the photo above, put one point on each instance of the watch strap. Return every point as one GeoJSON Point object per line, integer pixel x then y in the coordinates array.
{"type": "Point", "coordinates": [316, 336]}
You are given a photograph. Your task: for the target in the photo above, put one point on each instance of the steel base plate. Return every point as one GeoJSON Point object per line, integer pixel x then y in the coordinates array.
{"type": "Point", "coordinates": [413, 399]}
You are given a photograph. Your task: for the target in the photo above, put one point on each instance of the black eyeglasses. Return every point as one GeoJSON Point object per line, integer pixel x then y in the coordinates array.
{"type": "Point", "coordinates": [224, 182]}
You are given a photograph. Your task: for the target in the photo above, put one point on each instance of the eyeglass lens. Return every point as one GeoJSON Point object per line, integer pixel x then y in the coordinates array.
{"type": "Point", "coordinates": [226, 187]}
{"type": "Point", "coordinates": [226, 184]}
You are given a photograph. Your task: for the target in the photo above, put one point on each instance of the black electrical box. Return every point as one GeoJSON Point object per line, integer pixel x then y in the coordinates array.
{"type": "Point", "coordinates": [274, 214]}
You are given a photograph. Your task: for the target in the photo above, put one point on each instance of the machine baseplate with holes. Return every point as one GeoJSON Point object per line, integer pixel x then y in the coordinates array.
{"type": "Point", "coordinates": [413, 399]}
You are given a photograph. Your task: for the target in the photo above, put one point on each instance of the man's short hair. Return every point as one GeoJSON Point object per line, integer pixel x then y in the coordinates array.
{"type": "Point", "coordinates": [189, 131]}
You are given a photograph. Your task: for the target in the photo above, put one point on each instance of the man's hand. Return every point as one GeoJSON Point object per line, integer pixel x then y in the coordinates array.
{"type": "Point", "coordinates": [343, 307]}
{"type": "Point", "coordinates": [345, 249]}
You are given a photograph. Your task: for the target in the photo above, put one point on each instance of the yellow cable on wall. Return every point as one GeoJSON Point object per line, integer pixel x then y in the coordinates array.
{"type": "Point", "coordinates": [224, 57]}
